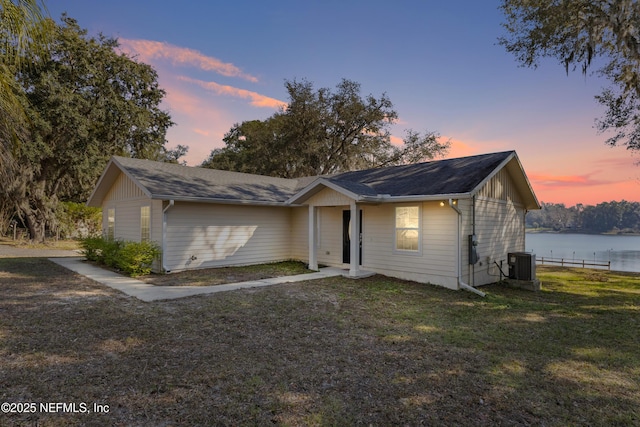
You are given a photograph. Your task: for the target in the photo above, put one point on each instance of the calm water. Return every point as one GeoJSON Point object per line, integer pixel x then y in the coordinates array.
{"type": "Point", "coordinates": [622, 251]}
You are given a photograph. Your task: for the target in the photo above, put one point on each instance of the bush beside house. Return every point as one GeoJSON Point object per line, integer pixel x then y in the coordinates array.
{"type": "Point", "coordinates": [132, 258]}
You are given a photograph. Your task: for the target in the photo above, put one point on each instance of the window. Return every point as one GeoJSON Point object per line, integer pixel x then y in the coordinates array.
{"type": "Point", "coordinates": [145, 223]}
{"type": "Point", "coordinates": [111, 223]}
{"type": "Point", "coordinates": [408, 228]}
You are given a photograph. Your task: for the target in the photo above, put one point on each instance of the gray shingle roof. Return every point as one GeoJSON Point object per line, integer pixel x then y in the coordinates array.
{"type": "Point", "coordinates": [167, 180]}
{"type": "Point", "coordinates": [443, 177]}
{"type": "Point", "coordinates": [450, 176]}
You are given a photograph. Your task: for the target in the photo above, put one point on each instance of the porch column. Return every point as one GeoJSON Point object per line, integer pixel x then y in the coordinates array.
{"type": "Point", "coordinates": [354, 265]}
{"type": "Point", "coordinates": [313, 250]}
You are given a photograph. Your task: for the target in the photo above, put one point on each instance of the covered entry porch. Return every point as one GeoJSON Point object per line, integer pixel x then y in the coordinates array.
{"type": "Point", "coordinates": [335, 230]}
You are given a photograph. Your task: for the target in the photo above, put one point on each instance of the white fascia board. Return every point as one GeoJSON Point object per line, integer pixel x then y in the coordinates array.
{"type": "Point", "coordinates": [417, 198]}
{"type": "Point", "coordinates": [314, 185]}
{"type": "Point", "coordinates": [105, 172]}
{"type": "Point", "coordinates": [220, 201]}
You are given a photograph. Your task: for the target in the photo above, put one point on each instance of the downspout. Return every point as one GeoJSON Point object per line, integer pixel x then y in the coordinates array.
{"type": "Point", "coordinates": [472, 270]}
{"type": "Point", "coordinates": [461, 284]}
{"type": "Point", "coordinates": [164, 233]}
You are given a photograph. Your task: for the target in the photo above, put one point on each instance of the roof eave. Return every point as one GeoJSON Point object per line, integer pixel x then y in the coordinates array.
{"type": "Point", "coordinates": [218, 200]}
{"type": "Point", "coordinates": [415, 198]}
{"type": "Point", "coordinates": [108, 177]}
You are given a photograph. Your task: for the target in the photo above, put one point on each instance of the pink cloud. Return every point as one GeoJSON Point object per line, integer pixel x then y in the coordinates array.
{"type": "Point", "coordinates": [201, 132]}
{"type": "Point", "coordinates": [148, 50]}
{"type": "Point", "coordinates": [460, 148]}
{"type": "Point", "coordinates": [257, 100]}
{"type": "Point", "coordinates": [546, 180]}
{"type": "Point", "coordinates": [396, 140]}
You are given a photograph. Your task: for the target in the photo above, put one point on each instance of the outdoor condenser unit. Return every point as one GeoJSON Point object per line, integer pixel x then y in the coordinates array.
{"type": "Point", "coordinates": [522, 266]}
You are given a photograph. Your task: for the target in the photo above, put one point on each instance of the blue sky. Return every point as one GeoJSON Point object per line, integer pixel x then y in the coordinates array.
{"type": "Point", "coordinates": [438, 61]}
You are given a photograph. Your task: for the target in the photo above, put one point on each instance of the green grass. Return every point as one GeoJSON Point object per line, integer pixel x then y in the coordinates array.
{"type": "Point", "coordinates": [67, 244]}
{"type": "Point", "coordinates": [375, 351]}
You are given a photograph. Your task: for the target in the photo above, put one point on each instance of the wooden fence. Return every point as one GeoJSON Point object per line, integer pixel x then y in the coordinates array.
{"type": "Point", "coordinates": [573, 263]}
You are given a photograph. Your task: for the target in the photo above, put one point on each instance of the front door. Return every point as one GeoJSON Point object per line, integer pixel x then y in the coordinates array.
{"type": "Point", "coordinates": [346, 237]}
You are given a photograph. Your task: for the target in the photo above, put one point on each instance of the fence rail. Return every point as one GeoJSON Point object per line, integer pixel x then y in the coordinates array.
{"type": "Point", "coordinates": [573, 262]}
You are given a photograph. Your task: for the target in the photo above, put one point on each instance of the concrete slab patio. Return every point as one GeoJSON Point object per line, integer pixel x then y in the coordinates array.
{"type": "Point", "coordinates": [147, 292]}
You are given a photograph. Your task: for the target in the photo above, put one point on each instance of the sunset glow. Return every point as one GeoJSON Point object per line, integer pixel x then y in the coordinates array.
{"type": "Point", "coordinates": [225, 63]}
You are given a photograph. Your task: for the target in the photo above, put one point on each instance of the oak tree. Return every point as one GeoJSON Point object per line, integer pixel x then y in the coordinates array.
{"type": "Point", "coordinates": [85, 101]}
{"type": "Point", "coordinates": [322, 132]}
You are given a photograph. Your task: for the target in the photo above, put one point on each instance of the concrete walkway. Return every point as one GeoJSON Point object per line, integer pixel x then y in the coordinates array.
{"type": "Point", "coordinates": [147, 292]}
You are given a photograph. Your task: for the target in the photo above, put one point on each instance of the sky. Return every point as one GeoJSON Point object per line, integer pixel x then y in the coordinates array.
{"type": "Point", "coordinates": [439, 62]}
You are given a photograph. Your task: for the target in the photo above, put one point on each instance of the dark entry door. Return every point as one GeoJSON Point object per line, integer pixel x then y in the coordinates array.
{"type": "Point", "coordinates": [346, 239]}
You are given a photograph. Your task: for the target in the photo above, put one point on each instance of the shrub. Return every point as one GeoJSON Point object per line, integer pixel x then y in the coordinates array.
{"type": "Point", "coordinates": [133, 258]}
{"type": "Point", "coordinates": [136, 258]}
{"type": "Point", "coordinates": [110, 252]}
{"type": "Point", "coordinates": [92, 248]}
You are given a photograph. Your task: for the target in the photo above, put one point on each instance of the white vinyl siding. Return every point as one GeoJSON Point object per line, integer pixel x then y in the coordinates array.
{"type": "Point", "coordinates": [436, 263]}
{"type": "Point", "coordinates": [208, 235]}
{"type": "Point", "coordinates": [133, 214]}
{"type": "Point", "coordinates": [501, 187]}
{"type": "Point", "coordinates": [299, 233]}
{"type": "Point", "coordinates": [500, 230]}
{"type": "Point", "coordinates": [329, 197]}
{"type": "Point", "coordinates": [127, 220]}
{"type": "Point", "coordinates": [123, 189]}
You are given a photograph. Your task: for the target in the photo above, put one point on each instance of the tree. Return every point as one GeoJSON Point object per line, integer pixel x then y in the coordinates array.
{"type": "Point", "coordinates": [172, 155]}
{"type": "Point", "coordinates": [85, 102]}
{"type": "Point", "coordinates": [22, 28]}
{"type": "Point", "coordinates": [322, 132]}
{"type": "Point", "coordinates": [575, 32]}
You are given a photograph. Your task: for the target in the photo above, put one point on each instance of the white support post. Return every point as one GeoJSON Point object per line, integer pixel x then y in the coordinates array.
{"type": "Point", "coordinates": [313, 249]}
{"type": "Point", "coordinates": [354, 266]}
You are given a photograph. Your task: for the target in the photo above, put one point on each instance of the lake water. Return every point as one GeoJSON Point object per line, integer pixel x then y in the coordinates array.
{"type": "Point", "coordinates": [622, 251]}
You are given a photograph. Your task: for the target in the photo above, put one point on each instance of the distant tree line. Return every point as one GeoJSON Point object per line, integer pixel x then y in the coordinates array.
{"type": "Point", "coordinates": [607, 217]}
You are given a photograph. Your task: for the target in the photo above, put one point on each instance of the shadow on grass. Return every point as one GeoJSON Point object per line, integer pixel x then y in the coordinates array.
{"type": "Point", "coordinates": [329, 352]}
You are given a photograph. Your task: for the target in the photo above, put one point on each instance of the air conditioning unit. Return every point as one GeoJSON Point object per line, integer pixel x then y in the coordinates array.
{"type": "Point", "coordinates": [522, 266]}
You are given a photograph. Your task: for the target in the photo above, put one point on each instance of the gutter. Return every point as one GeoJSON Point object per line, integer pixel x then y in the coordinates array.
{"type": "Point", "coordinates": [164, 233]}
{"type": "Point", "coordinates": [461, 284]}
{"type": "Point", "coordinates": [419, 198]}
{"type": "Point", "coordinates": [221, 201]}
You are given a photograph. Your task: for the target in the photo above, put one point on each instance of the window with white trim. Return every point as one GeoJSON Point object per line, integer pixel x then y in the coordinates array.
{"type": "Point", "coordinates": [408, 228]}
{"type": "Point", "coordinates": [111, 223]}
{"type": "Point", "coordinates": [145, 223]}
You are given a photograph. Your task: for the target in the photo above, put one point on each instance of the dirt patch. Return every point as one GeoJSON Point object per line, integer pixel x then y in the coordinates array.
{"type": "Point", "coordinates": [224, 275]}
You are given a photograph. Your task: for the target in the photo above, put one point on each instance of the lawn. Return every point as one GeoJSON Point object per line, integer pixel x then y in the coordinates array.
{"type": "Point", "coordinates": [374, 351]}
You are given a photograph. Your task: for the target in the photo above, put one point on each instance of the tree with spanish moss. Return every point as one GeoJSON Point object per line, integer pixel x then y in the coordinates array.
{"type": "Point", "coordinates": [84, 101]}
{"type": "Point", "coordinates": [576, 33]}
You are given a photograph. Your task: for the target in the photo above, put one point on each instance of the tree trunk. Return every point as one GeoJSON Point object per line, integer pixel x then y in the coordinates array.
{"type": "Point", "coordinates": [35, 225]}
